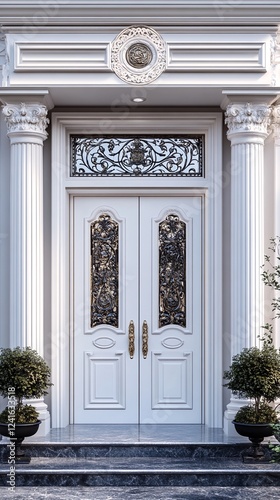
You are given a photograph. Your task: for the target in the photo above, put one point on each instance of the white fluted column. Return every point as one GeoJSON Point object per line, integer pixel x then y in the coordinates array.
{"type": "Point", "coordinates": [26, 124]}
{"type": "Point", "coordinates": [247, 130]}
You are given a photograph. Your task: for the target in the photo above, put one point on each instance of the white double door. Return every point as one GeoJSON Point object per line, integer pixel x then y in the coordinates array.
{"type": "Point", "coordinates": [137, 308]}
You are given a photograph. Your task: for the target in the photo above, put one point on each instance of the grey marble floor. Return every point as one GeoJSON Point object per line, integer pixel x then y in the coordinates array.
{"type": "Point", "coordinates": [149, 493]}
{"type": "Point", "coordinates": [90, 433]}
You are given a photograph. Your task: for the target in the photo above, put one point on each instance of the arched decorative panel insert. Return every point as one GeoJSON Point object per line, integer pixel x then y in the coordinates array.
{"type": "Point", "coordinates": [172, 271]}
{"type": "Point", "coordinates": [104, 279]}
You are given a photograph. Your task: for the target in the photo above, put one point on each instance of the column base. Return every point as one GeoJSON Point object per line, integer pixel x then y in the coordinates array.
{"type": "Point", "coordinates": [44, 415]}
{"type": "Point", "coordinates": [232, 408]}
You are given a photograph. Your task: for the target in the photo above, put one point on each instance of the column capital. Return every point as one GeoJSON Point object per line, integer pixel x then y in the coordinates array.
{"type": "Point", "coordinates": [248, 118]}
{"type": "Point", "coordinates": [26, 118]}
{"type": "Point", "coordinates": [275, 121]}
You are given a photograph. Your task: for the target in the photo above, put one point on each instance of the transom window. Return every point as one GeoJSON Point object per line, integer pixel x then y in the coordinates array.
{"type": "Point", "coordinates": [137, 156]}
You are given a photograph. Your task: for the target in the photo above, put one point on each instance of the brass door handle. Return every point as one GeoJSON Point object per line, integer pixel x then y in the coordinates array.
{"type": "Point", "coordinates": [131, 338]}
{"type": "Point", "coordinates": [145, 339]}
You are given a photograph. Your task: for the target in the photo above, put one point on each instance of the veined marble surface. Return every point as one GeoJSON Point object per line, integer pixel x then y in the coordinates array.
{"type": "Point", "coordinates": [136, 464]}
{"type": "Point", "coordinates": [149, 493]}
{"type": "Point", "coordinates": [129, 433]}
{"type": "Point", "coordinates": [104, 462]}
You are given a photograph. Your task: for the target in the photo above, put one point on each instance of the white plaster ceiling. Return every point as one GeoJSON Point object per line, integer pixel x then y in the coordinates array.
{"type": "Point", "coordinates": [121, 96]}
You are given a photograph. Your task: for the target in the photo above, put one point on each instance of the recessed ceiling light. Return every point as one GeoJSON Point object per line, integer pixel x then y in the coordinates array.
{"type": "Point", "coordinates": [138, 99]}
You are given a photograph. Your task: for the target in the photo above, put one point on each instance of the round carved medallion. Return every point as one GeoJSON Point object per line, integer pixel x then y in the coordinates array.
{"type": "Point", "coordinates": [138, 55]}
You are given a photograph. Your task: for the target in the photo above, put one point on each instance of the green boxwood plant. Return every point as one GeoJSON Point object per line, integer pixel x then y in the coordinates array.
{"type": "Point", "coordinates": [23, 374]}
{"type": "Point", "coordinates": [276, 448]}
{"type": "Point", "coordinates": [255, 371]}
{"type": "Point", "coordinates": [271, 277]}
{"type": "Point", "coordinates": [255, 374]}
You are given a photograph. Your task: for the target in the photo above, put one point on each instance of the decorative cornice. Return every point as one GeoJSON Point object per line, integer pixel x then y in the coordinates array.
{"type": "Point", "coordinates": [157, 13]}
{"type": "Point", "coordinates": [244, 118]}
{"type": "Point", "coordinates": [26, 118]}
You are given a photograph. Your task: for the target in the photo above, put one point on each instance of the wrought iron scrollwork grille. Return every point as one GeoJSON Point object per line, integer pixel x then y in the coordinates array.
{"type": "Point", "coordinates": [104, 287]}
{"type": "Point", "coordinates": [137, 156]}
{"type": "Point", "coordinates": [172, 271]}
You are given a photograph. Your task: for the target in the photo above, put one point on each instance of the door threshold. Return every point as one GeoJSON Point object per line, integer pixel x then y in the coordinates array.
{"type": "Point", "coordinates": [133, 433]}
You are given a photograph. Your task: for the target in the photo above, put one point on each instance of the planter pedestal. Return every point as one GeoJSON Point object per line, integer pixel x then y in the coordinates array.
{"type": "Point", "coordinates": [17, 433]}
{"type": "Point", "coordinates": [256, 452]}
{"type": "Point", "coordinates": [256, 433]}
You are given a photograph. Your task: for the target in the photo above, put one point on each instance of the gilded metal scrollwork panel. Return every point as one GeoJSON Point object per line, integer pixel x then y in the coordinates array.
{"type": "Point", "coordinates": [104, 287]}
{"type": "Point", "coordinates": [172, 271]}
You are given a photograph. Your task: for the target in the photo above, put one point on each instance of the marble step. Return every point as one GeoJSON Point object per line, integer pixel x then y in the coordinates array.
{"type": "Point", "coordinates": [142, 472]}
{"type": "Point", "coordinates": [138, 464]}
{"type": "Point", "coordinates": [138, 493]}
{"type": "Point", "coordinates": [137, 449]}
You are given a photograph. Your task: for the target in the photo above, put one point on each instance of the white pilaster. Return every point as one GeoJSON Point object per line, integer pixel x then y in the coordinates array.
{"type": "Point", "coordinates": [26, 124]}
{"type": "Point", "coordinates": [276, 134]}
{"type": "Point", "coordinates": [247, 130]}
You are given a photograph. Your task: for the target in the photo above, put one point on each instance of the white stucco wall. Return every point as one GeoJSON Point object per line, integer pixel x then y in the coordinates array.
{"type": "Point", "coordinates": [4, 238]}
{"type": "Point", "coordinates": [270, 217]}
{"type": "Point", "coordinates": [4, 220]}
{"type": "Point", "coordinates": [253, 61]}
{"type": "Point", "coordinates": [47, 256]}
{"type": "Point", "coordinates": [226, 256]}
{"type": "Point", "coordinates": [4, 234]}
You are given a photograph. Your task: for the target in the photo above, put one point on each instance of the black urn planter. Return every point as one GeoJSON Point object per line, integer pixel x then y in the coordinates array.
{"type": "Point", "coordinates": [256, 433]}
{"type": "Point", "coordinates": [17, 433]}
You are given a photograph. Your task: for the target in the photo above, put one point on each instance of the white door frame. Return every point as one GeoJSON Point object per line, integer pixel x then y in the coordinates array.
{"type": "Point", "coordinates": [63, 189]}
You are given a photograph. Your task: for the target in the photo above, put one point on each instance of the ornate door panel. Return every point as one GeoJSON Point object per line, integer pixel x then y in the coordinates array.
{"type": "Point", "coordinates": [105, 302]}
{"type": "Point", "coordinates": [137, 310]}
{"type": "Point", "coordinates": [170, 303]}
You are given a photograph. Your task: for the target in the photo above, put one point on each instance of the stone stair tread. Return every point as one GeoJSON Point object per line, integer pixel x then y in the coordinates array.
{"type": "Point", "coordinates": [138, 493]}
{"type": "Point", "coordinates": [92, 472]}
{"type": "Point", "coordinates": [75, 465]}
{"type": "Point", "coordinates": [162, 450]}
{"type": "Point", "coordinates": [140, 464]}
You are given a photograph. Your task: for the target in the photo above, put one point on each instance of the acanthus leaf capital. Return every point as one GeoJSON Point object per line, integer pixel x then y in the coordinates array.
{"type": "Point", "coordinates": [248, 117]}
{"type": "Point", "coordinates": [26, 117]}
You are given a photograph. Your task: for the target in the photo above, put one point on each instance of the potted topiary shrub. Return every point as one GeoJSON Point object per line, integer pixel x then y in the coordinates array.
{"type": "Point", "coordinates": [23, 374]}
{"type": "Point", "coordinates": [271, 277]}
{"type": "Point", "coordinates": [255, 374]}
